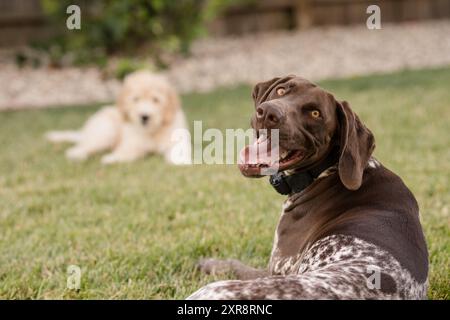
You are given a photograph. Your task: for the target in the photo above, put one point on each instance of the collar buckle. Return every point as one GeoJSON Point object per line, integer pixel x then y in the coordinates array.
{"type": "Point", "coordinates": [298, 181]}
{"type": "Point", "coordinates": [280, 184]}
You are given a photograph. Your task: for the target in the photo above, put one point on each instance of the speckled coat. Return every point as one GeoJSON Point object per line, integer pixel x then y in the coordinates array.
{"type": "Point", "coordinates": [361, 244]}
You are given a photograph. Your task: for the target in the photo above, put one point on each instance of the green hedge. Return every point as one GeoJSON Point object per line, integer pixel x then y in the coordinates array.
{"type": "Point", "coordinates": [137, 26]}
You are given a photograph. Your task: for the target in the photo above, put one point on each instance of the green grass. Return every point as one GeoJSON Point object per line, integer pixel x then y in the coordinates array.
{"type": "Point", "coordinates": [136, 230]}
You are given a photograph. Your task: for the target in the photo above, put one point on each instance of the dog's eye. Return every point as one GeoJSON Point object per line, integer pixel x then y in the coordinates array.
{"type": "Point", "coordinates": [155, 99]}
{"type": "Point", "coordinates": [281, 91]}
{"type": "Point", "coordinates": [315, 113]}
{"type": "Point", "coordinates": [135, 99]}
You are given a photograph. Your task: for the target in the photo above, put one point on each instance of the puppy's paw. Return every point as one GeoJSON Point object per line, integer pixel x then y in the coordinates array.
{"type": "Point", "coordinates": [110, 159]}
{"type": "Point", "coordinates": [76, 154]}
{"type": "Point", "coordinates": [63, 136]}
{"type": "Point", "coordinates": [115, 158]}
{"type": "Point", "coordinates": [52, 136]}
{"type": "Point", "coordinates": [214, 266]}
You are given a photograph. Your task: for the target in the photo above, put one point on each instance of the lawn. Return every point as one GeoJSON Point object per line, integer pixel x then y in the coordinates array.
{"type": "Point", "coordinates": [137, 230]}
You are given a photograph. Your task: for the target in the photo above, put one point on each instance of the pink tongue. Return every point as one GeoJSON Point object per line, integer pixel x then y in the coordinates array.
{"type": "Point", "coordinates": [259, 153]}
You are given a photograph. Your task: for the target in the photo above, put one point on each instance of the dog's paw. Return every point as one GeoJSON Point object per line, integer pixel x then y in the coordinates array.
{"type": "Point", "coordinates": [76, 154]}
{"type": "Point", "coordinates": [63, 136]}
{"type": "Point", "coordinates": [110, 159]}
{"type": "Point", "coordinates": [52, 136]}
{"type": "Point", "coordinates": [214, 266]}
{"type": "Point", "coordinates": [115, 158]}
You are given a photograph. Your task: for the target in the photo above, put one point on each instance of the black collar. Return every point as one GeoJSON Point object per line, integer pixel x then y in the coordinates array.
{"type": "Point", "coordinates": [298, 181]}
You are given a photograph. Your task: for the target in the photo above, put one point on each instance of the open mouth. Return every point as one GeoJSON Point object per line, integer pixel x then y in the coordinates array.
{"type": "Point", "coordinates": [264, 158]}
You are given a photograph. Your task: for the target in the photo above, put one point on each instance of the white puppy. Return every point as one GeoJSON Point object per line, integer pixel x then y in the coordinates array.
{"type": "Point", "coordinates": [147, 119]}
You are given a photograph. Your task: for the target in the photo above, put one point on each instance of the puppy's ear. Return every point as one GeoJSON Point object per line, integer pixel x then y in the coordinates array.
{"type": "Point", "coordinates": [174, 98]}
{"type": "Point", "coordinates": [173, 105]}
{"type": "Point", "coordinates": [121, 102]}
{"type": "Point", "coordinates": [356, 146]}
{"type": "Point", "coordinates": [262, 90]}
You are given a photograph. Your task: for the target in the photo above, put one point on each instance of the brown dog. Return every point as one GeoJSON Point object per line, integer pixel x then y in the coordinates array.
{"type": "Point", "coordinates": [349, 229]}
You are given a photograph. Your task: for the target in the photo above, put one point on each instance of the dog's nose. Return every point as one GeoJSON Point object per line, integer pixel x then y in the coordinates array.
{"type": "Point", "coordinates": [145, 118]}
{"type": "Point", "coordinates": [270, 115]}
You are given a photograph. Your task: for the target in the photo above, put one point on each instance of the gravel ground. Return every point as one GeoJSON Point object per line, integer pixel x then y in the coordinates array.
{"type": "Point", "coordinates": [316, 54]}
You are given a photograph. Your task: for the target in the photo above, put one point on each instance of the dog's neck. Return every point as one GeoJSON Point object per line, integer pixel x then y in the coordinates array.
{"type": "Point", "coordinates": [294, 182]}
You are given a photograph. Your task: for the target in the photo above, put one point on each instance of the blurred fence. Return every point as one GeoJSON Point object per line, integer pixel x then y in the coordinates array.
{"type": "Point", "coordinates": [23, 20]}
{"type": "Point", "coordinates": [266, 15]}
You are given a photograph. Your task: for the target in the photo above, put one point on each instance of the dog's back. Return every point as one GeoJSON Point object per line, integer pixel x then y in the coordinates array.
{"type": "Point", "coordinates": [349, 229]}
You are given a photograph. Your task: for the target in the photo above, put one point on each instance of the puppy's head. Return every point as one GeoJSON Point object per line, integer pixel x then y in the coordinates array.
{"type": "Point", "coordinates": [148, 101]}
{"type": "Point", "coordinates": [312, 124]}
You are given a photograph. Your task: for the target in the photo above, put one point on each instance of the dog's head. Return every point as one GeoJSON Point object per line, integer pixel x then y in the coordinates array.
{"type": "Point", "coordinates": [148, 100]}
{"type": "Point", "coordinates": [311, 124]}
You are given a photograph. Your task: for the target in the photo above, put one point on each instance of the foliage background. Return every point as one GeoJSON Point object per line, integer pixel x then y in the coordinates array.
{"type": "Point", "coordinates": [153, 27]}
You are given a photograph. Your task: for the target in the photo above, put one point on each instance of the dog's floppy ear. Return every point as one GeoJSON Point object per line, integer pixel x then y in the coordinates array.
{"type": "Point", "coordinates": [173, 104]}
{"type": "Point", "coordinates": [262, 89]}
{"type": "Point", "coordinates": [123, 95]}
{"type": "Point", "coordinates": [121, 103]}
{"type": "Point", "coordinates": [356, 146]}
